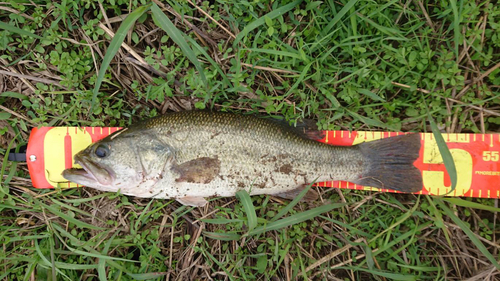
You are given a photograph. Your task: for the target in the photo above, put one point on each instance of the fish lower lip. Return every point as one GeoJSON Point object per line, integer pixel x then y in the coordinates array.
{"type": "Point", "coordinates": [89, 168]}
{"type": "Point", "coordinates": [82, 172]}
{"type": "Point", "coordinates": [86, 172]}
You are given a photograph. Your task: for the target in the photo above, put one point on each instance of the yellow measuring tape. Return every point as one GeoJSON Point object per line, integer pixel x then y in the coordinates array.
{"type": "Point", "coordinates": [477, 158]}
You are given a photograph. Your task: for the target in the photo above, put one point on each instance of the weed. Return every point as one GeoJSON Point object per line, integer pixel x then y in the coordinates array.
{"type": "Point", "coordinates": [348, 64]}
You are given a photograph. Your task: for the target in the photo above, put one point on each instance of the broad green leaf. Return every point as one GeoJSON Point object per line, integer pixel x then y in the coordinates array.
{"type": "Point", "coordinates": [268, 21]}
{"type": "Point", "coordinates": [262, 264]}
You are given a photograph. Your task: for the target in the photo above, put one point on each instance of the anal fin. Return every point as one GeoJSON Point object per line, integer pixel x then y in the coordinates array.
{"type": "Point", "coordinates": [311, 194]}
{"type": "Point", "coordinates": [192, 201]}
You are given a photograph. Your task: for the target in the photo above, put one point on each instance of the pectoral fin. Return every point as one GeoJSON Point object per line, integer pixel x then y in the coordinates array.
{"type": "Point", "coordinates": [311, 194]}
{"type": "Point", "coordinates": [192, 201]}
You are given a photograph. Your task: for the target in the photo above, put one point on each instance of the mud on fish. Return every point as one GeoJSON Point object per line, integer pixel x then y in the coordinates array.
{"type": "Point", "coordinates": [190, 156]}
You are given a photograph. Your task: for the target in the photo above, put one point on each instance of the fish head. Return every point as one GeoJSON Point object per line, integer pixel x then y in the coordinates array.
{"type": "Point", "coordinates": [129, 164]}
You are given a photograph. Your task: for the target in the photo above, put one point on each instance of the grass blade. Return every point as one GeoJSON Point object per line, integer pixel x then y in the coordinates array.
{"type": "Point", "coordinates": [69, 218]}
{"type": "Point", "coordinates": [275, 52]}
{"type": "Point", "coordinates": [146, 276]}
{"type": "Point", "coordinates": [469, 204]}
{"type": "Point", "coordinates": [399, 220]}
{"type": "Point", "coordinates": [221, 221]}
{"type": "Point", "coordinates": [14, 95]}
{"type": "Point", "coordinates": [449, 163]}
{"type": "Point", "coordinates": [164, 23]}
{"type": "Point", "coordinates": [290, 205]}
{"type": "Point", "coordinates": [114, 46]}
{"type": "Point", "coordinates": [210, 60]}
{"type": "Point", "coordinates": [216, 261]}
{"type": "Point", "coordinates": [400, 239]}
{"type": "Point", "coordinates": [109, 260]}
{"type": "Point", "coordinates": [46, 262]}
{"type": "Point", "coordinates": [262, 20]}
{"type": "Point", "coordinates": [61, 232]}
{"type": "Point", "coordinates": [294, 219]}
{"type": "Point", "coordinates": [17, 30]}
{"type": "Point", "coordinates": [371, 95]}
{"type": "Point", "coordinates": [71, 208]}
{"type": "Point", "coordinates": [438, 220]}
{"type": "Point", "coordinates": [393, 276]}
{"type": "Point", "coordinates": [222, 236]}
{"type": "Point", "coordinates": [370, 121]}
{"type": "Point", "coordinates": [334, 21]}
{"type": "Point", "coordinates": [386, 30]}
{"type": "Point", "coordinates": [247, 203]}
{"type": "Point", "coordinates": [101, 264]}
{"type": "Point", "coordinates": [469, 233]}
{"type": "Point", "coordinates": [456, 26]}
{"type": "Point", "coordinates": [303, 74]}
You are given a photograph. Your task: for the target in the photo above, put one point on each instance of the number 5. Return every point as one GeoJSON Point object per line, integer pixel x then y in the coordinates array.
{"type": "Point", "coordinates": [434, 180]}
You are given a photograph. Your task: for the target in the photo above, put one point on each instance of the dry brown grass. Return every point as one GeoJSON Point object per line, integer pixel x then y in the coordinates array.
{"type": "Point", "coordinates": [349, 243]}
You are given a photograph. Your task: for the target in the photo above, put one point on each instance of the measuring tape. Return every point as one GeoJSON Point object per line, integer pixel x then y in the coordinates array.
{"type": "Point", "coordinates": [477, 159]}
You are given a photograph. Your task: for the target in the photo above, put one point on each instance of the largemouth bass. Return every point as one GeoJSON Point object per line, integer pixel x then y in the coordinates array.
{"type": "Point", "coordinates": [190, 156]}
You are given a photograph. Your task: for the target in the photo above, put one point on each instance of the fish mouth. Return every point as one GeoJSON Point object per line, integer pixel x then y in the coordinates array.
{"type": "Point", "coordinates": [91, 174]}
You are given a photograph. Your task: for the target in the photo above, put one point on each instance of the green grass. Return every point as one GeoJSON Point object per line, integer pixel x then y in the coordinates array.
{"type": "Point", "coordinates": [348, 64]}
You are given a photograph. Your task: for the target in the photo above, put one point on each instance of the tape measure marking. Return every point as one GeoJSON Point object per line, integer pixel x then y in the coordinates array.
{"type": "Point", "coordinates": [477, 159]}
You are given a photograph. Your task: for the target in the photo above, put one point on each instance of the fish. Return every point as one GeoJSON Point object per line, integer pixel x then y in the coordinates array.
{"type": "Point", "coordinates": [194, 155]}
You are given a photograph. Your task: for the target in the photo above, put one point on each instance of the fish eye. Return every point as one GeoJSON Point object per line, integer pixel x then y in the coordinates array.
{"type": "Point", "coordinates": [102, 151]}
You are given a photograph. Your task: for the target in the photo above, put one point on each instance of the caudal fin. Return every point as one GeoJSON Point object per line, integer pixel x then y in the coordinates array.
{"type": "Point", "coordinates": [389, 163]}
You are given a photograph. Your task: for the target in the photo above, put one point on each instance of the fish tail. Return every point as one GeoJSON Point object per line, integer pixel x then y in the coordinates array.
{"type": "Point", "coordinates": [389, 163]}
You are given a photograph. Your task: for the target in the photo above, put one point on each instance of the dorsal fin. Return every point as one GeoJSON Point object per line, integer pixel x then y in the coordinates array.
{"type": "Point", "coordinates": [305, 128]}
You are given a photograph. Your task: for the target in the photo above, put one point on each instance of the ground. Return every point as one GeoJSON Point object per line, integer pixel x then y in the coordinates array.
{"type": "Point", "coordinates": [346, 64]}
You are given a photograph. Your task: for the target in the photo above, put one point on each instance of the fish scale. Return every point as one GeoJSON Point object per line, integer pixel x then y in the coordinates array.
{"type": "Point", "coordinates": [252, 144]}
{"type": "Point", "coordinates": [192, 155]}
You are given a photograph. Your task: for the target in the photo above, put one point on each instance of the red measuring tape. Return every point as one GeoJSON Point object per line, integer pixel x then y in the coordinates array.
{"type": "Point", "coordinates": [477, 158]}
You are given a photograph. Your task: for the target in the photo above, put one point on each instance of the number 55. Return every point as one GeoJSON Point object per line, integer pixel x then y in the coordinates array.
{"type": "Point", "coordinates": [490, 156]}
